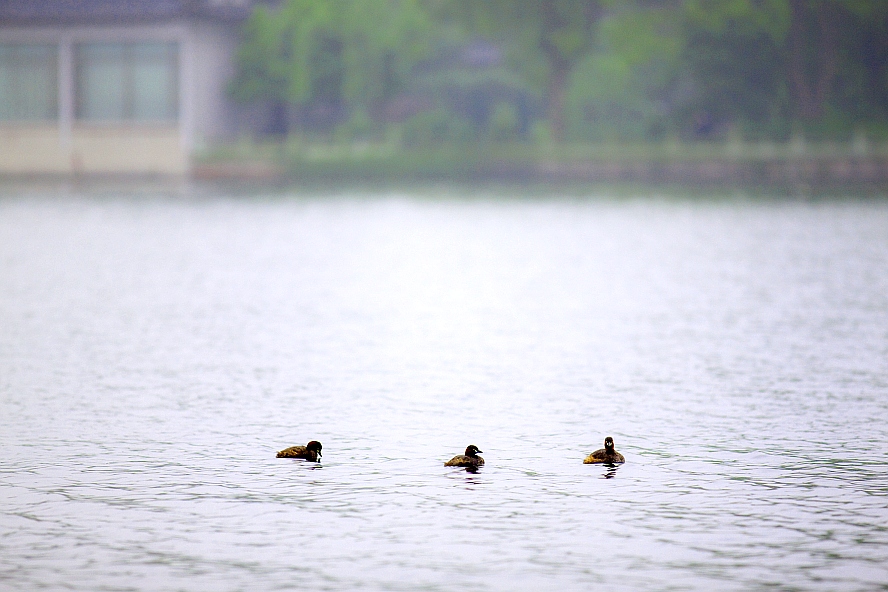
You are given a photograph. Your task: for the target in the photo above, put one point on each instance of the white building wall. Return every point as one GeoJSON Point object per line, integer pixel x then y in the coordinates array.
{"type": "Point", "coordinates": [212, 50]}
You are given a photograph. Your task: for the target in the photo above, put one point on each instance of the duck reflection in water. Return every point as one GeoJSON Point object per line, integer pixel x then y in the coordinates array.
{"type": "Point", "coordinates": [610, 471]}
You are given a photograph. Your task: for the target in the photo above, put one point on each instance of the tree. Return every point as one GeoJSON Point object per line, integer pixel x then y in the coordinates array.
{"type": "Point", "coordinates": [562, 31]}
{"type": "Point", "coordinates": [813, 51]}
{"type": "Point", "coordinates": [625, 88]}
{"type": "Point", "coordinates": [328, 51]}
{"type": "Point", "coordinates": [804, 61]}
{"type": "Point", "coordinates": [734, 53]}
{"type": "Point", "coordinates": [820, 38]}
{"type": "Point", "coordinates": [262, 59]}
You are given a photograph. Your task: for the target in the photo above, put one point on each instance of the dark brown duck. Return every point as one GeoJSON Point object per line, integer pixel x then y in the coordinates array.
{"type": "Point", "coordinates": [605, 455]}
{"type": "Point", "coordinates": [469, 459]}
{"type": "Point", "coordinates": [311, 451]}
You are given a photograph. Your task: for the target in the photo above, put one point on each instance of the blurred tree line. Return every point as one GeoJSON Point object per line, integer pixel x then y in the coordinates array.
{"type": "Point", "coordinates": [568, 70]}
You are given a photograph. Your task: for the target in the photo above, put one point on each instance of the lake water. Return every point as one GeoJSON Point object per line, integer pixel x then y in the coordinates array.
{"type": "Point", "coordinates": [156, 351]}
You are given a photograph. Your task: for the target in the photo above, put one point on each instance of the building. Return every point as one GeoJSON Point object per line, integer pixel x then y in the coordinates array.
{"type": "Point", "coordinates": [114, 86]}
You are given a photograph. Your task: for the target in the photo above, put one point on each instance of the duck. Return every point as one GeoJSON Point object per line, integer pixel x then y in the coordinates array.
{"type": "Point", "coordinates": [469, 459]}
{"type": "Point", "coordinates": [311, 451]}
{"type": "Point", "coordinates": [605, 455]}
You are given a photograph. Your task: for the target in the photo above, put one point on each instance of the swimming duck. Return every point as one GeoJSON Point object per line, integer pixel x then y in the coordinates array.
{"type": "Point", "coordinates": [311, 451]}
{"type": "Point", "coordinates": [605, 455]}
{"type": "Point", "coordinates": [469, 459]}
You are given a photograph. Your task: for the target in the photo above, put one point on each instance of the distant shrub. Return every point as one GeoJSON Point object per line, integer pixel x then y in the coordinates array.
{"type": "Point", "coordinates": [436, 126]}
{"type": "Point", "coordinates": [358, 127]}
{"type": "Point", "coordinates": [504, 122]}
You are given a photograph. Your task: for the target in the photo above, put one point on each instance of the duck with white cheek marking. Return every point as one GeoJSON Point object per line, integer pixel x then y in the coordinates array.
{"type": "Point", "coordinates": [311, 451]}
{"type": "Point", "coordinates": [469, 459]}
{"type": "Point", "coordinates": [605, 455]}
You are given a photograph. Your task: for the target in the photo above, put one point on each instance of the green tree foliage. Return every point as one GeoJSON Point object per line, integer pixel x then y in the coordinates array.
{"type": "Point", "coordinates": [623, 89]}
{"type": "Point", "coordinates": [263, 59]}
{"type": "Point", "coordinates": [330, 51]}
{"type": "Point", "coordinates": [733, 51]}
{"type": "Point", "coordinates": [773, 65]}
{"type": "Point", "coordinates": [608, 69]}
{"type": "Point", "coordinates": [561, 32]}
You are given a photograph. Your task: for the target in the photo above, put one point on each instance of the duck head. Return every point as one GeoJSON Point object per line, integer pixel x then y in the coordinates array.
{"type": "Point", "coordinates": [609, 444]}
{"type": "Point", "coordinates": [315, 446]}
{"type": "Point", "coordinates": [472, 450]}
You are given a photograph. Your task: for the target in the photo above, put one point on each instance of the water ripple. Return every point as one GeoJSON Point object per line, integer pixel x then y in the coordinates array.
{"type": "Point", "coordinates": [156, 353]}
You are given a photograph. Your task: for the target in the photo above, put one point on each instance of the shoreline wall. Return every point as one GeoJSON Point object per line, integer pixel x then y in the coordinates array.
{"type": "Point", "coordinates": [814, 172]}
{"type": "Point", "coordinates": [869, 173]}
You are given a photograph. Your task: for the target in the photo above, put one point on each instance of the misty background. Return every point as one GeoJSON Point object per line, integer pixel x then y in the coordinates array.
{"type": "Point", "coordinates": [785, 92]}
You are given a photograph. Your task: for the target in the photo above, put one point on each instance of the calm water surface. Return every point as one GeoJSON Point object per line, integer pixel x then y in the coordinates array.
{"type": "Point", "coordinates": [155, 352]}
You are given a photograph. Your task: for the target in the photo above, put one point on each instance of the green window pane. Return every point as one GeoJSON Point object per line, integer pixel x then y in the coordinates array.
{"type": "Point", "coordinates": [28, 82]}
{"type": "Point", "coordinates": [154, 82]}
{"type": "Point", "coordinates": [127, 82]}
{"type": "Point", "coordinates": [100, 82]}
{"type": "Point", "coordinates": [7, 96]}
